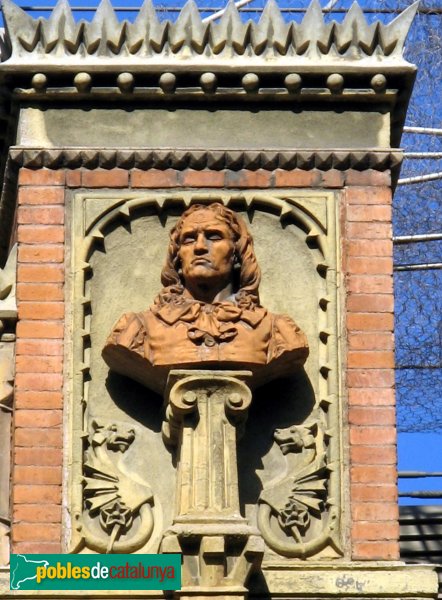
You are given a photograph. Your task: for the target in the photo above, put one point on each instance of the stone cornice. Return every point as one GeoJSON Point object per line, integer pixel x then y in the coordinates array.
{"type": "Point", "coordinates": [145, 158]}
{"type": "Point", "coordinates": [150, 44]}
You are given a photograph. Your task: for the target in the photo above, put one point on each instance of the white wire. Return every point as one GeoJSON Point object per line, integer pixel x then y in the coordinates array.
{"type": "Point", "coordinates": [220, 13]}
{"type": "Point", "coordinates": [330, 5]}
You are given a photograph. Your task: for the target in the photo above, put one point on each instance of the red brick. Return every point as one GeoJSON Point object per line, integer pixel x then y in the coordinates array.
{"type": "Point", "coordinates": [370, 303]}
{"type": "Point", "coordinates": [39, 364]}
{"type": "Point", "coordinates": [368, 195]}
{"type": "Point", "coordinates": [50, 273]}
{"type": "Point", "coordinates": [37, 547]}
{"type": "Point", "coordinates": [34, 494]}
{"type": "Point", "coordinates": [37, 513]}
{"type": "Point", "coordinates": [43, 437]}
{"type": "Point", "coordinates": [40, 234]}
{"type": "Point", "coordinates": [28, 456]}
{"type": "Point", "coordinates": [370, 321]}
{"type": "Point", "coordinates": [73, 178]}
{"type": "Point", "coordinates": [374, 511]}
{"type": "Point", "coordinates": [370, 213]}
{"type": "Point", "coordinates": [39, 381]}
{"type": "Point", "coordinates": [370, 378]}
{"type": "Point", "coordinates": [375, 531]}
{"type": "Point", "coordinates": [297, 178]}
{"type": "Point", "coordinates": [370, 359]}
{"type": "Point", "coordinates": [41, 177]}
{"type": "Point", "coordinates": [372, 265]}
{"type": "Point", "coordinates": [41, 310]}
{"type": "Point", "coordinates": [372, 436]}
{"type": "Point", "coordinates": [154, 178]}
{"type": "Point", "coordinates": [373, 455]}
{"type": "Point", "coordinates": [370, 341]}
{"type": "Point", "coordinates": [35, 532]}
{"type": "Point", "coordinates": [37, 475]}
{"type": "Point", "coordinates": [369, 247]}
{"type": "Point", "coordinates": [35, 291]}
{"type": "Point", "coordinates": [38, 418]}
{"type": "Point", "coordinates": [101, 178]}
{"type": "Point", "coordinates": [369, 231]}
{"type": "Point", "coordinates": [205, 178]}
{"type": "Point", "coordinates": [372, 397]}
{"type": "Point", "coordinates": [375, 551]}
{"type": "Point", "coordinates": [41, 254]}
{"type": "Point", "coordinates": [364, 492]}
{"type": "Point", "coordinates": [40, 329]}
{"type": "Point", "coordinates": [373, 474]}
{"type": "Point", "coordinates": [248, 179]}
{"type": "Point", "coordinates": [333, 179]}
{"type": "Point", "coordinates": [41, 195]}
{"type": "Point", "coordinates": [39, 347]}
{"type": "Point", "coordinates": [38, 399]}
{"type": "Point", "coordinates": [368, 177]}
{"type": "Point", "coordinates": [41, 215]}
{"type": "Point", "coordinates": [370, 284]}
{"type": "Point", "coordinates": [371, 416]}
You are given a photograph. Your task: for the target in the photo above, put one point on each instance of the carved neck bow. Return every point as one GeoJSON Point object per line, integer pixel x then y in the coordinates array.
{"type": "Point", "coordinates": [210, 321]}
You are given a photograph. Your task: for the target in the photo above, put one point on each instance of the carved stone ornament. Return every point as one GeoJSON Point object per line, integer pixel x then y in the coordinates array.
{"type": "Point", "coordinates": [61, 38]}
{"type": "Point", "coordinates": [208, 314]}
{"type": "Point", "coordinates": [294, 513]}
{"type": "Point", "coordinates": [118, 503]}
{"type": "Point", "coordinates": [216, 483]}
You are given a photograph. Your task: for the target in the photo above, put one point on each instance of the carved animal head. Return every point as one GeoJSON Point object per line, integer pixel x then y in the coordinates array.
{"type": "Point", "coordinates": [296, 437]}
{"type": "Point", "coordinates": [116, 437]}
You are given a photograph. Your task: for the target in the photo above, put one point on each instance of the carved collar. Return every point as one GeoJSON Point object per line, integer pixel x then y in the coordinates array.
{"type": "Point", "coordinates": [209, 323]}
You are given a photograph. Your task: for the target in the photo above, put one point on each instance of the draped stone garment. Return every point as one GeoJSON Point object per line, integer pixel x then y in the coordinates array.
{"type": "Point", "coordinates": [191, 334]}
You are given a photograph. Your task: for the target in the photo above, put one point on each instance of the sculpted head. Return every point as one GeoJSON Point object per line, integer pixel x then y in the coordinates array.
{"type": "Point", "coordinates": [211, 255]}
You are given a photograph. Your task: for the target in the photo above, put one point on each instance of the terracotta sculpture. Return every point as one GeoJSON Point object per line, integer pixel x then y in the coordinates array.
{"type": "Point", "coordinates": [208, 314]}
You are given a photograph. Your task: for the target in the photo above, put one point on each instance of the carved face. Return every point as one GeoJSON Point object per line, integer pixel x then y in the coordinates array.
{"type": "Point", "coordinates": [206, 250]}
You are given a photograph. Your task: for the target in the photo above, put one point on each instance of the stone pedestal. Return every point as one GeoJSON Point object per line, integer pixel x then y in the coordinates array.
{"type": "Point", "coordinates": [205, 413]}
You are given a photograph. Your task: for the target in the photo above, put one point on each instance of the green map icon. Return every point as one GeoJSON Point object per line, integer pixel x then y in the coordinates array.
{"type": "Point", "coordinates": [24, 569]}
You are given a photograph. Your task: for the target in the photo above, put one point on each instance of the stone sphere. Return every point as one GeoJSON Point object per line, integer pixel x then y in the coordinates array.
{"type": "Point", "coordinates": [250, 82]}
{"type": "Point", "coordinates": [168, 82]}
{"type": "Point", "coordinates": [39, 81]}
{"type": "Point", "coordinates": [82, 82]}
{"type": "Point", "coordinates": [125, 81]}
{"type": "Point", "coordinates": [335, 82]}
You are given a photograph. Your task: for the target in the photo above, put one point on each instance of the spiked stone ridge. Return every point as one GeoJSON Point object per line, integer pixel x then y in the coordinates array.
{"type": "Point", "coordinates": [60, 38]}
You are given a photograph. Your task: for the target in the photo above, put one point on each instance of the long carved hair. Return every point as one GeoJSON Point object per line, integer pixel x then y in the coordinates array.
{"type": "Point", "coordinates": [246, 272]}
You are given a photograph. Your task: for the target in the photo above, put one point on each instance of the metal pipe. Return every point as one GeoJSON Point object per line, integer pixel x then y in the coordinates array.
{"type": "Point", "coordinates": [420, 178]}
{"type": "Point", "coordinates": [426, 494]}
{"type": "Point", "coordinates": [414, 155]}
{"type": "Point", "coordinates": [418, 267]}
{"type": "Point", "coordinates": [412, 474]}
{"type": "Point", "coordinates": [423, 237]}
{"type": "Point", "coordinates": [424, 130]}
{"type": "Point", "coordinates": [387, 11]}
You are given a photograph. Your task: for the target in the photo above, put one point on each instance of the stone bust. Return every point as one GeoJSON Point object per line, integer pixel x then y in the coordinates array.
{"type": "Point", "coordinates": [207, 315]}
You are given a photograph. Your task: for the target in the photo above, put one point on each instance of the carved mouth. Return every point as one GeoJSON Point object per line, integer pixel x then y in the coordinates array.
{"type": "Point", "coordinates": [202, 261]}
{"type": "Point", "coordinates": [121, 443]}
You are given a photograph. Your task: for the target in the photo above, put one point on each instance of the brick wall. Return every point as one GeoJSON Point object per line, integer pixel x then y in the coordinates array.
{"type": "Point", "coordinates": [367, 255]}
{"type": "Point", "coordinates": [368, 263]}
{"type": "Point", "coordinates": [38, 456]}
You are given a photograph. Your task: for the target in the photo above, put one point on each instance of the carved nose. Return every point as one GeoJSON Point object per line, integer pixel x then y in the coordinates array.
{"type": "Point", "coordinates": [200, 244]}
